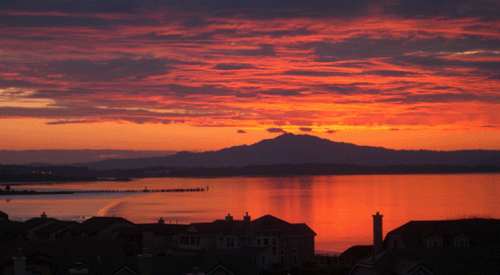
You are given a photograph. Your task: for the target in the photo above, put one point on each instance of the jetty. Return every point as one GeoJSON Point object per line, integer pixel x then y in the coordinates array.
{"type": "Point", "coordinates": [145, 190]}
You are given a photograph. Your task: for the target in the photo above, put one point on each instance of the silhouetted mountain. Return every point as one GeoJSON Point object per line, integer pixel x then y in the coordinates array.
{"type": "Point", "coordinates": [61, 157]}
{"type": "Point", "coordinates": [294, 149]}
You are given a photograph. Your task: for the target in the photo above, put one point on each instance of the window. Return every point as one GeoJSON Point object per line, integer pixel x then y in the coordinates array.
{"type": "Point", "coordinates": [258, 241]}
{"type": "Point", "coordinates": [295, 256]}
{"type": "Point", "coordinates": [266, 241]}
{"type": "Point", "coordinates": [395, 244]}
{"type": "Point", "coordinates": [263, 259]}
{"type": "Point", "coordinates": [282, 241]}
{"type": "Point", "coordinates": [461, 243]}
{"type": "Point", "coordinates": [184, 240]}
{"type": "Point", "coordinates": [435, 243]}
{"type": "Point", "coordinates": [282, 257]}
{"type": "Point", "coordinates": [230, 242]}
{"type": "Point", "coordinates": [190, 240]}
{"type": "Point", "coordinates": [275, 250]}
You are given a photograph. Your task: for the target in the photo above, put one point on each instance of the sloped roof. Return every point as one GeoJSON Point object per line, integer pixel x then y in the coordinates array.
{"type": "Point", "coordinates": [95, 224]}
{"type": "Point", "coordinates": [102, 266]}
{"type": "Point", "coordinates": [182, 264]}
{"type": "Point", "coordinates": [271, 223]}
{"type": "Point", "coordinates": [480, 231]}
{"type": "Point", "coordinates": [4, 215]}
{"type": "Point", "coordinates": [58, 225]}
{"type": "Point", "coordinates": [358, 251]}
{"type": "Point", "coordinates": [10, 226]}
{"type": "Point", "coordinates": [445, 260]}
{"type": "Point", "coordinates": [406, 267]}
{"type": "Point", "coordinates": [238, 260]}
{"type": "Point", "coordinates": [213, 228]}
{"type": "Point", "coordinates": [163, 229]}
{"type": "Point", "coordinates": [35, 222]}
{"type": "Point", "coordinates": [69, 250]}
{"type": "Point", "coordinates": [248, 229]}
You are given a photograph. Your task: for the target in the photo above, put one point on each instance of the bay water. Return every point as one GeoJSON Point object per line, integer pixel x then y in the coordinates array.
{"type": "Point", "coordinates": [338, 208]}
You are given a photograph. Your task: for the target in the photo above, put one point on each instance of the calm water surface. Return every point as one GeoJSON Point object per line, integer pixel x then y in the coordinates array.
{"type": "Point", "coordinates": [337, 208]}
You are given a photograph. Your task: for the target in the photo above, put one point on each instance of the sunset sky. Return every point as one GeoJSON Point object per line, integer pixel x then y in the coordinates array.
{"type": "Point", "coordinates": [204, 75]}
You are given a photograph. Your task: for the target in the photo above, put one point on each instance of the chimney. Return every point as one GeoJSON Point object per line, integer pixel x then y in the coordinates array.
{"type": "Point", "coordinates": [377, 233]}
{"type": "Point", "coordinates": [145, 262]}
{"type": "Point", "coordinates": [161, 221]}
{"type": "Point", "coordinates": [19, 263]}
{"type": "Point", "coordinates": [229, 217]}
{"type": "Point", "coordinates": [43, 215]}
{"type": "Point", "coordinates": [246, 218]}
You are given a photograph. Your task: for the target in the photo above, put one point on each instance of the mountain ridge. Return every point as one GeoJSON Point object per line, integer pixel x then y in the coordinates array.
{"type": "Point", "coordinates": [289, 148]}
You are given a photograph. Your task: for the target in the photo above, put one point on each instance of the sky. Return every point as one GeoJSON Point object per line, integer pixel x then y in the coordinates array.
{"type": "Point", "coordinates": [204, 75]}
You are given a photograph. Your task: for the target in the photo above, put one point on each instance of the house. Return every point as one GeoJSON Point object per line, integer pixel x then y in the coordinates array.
{"type": "Point", "coordinates": [100, 246]}
{"type": "Point", "coordinates": [34, 224]}
{"type": "Point", "coordinates": [466, 246]}
{"type": "Point", "coordinates": [36, 263]}
{"type": "Point", "coordinates": [108, 228]}
{"type": "Point", "coordinates": [268, 241]}
{"type": "Point", "coordinates": [11, 230]}
{"type": "Point", "coordinates": [100, 228]}
{"type": "Point", "coordinates": [444, 233]}
{"type": "Point", "coordinates": [348, 258]}
{"type": "Point", "coordinates": [54, 231]}
{"type": "Point", "coordinates": [433, 261]}
{"type": "Point", "coordinates": [160, 238]}
{"type": "Point", "coordinates": [4, 216]}
{"type": "Point", "coordinates": [61, 256]}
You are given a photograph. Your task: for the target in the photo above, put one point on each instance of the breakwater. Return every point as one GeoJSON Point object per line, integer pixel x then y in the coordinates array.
{"type": "Point", "coordinates": [145, 190]}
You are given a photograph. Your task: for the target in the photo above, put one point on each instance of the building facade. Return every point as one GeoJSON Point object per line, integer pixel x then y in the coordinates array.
{"type": "Point", "coordinates": [269, 241]}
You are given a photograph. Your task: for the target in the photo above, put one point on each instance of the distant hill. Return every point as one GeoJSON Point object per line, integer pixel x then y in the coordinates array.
{"type": "Point", "coordinates": [39, 158]}
{"type": "Point", "coordinates": [295, 149]}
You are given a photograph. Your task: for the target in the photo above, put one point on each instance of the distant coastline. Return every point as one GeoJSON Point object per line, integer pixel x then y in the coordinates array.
{"type": "Point", "coordinates": [314, 169]}
{"type": "Point", "coordinates": [54, 174]}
